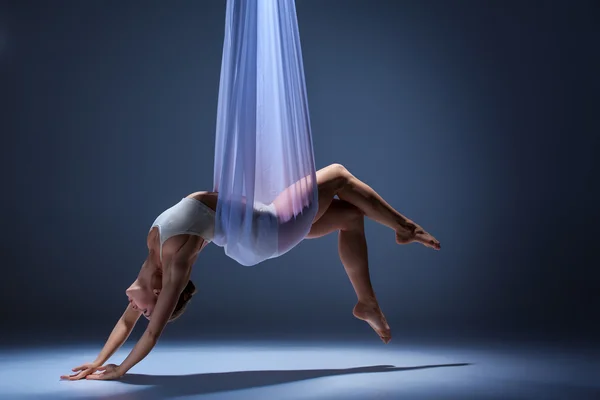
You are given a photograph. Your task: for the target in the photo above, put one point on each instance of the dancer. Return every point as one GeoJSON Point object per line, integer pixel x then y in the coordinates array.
{"type": "Point", "coordinates": [163, 288]}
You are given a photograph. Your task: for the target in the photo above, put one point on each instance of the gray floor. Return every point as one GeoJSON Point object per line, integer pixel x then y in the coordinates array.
{"type": "Point", "coordinates": [318, 370]}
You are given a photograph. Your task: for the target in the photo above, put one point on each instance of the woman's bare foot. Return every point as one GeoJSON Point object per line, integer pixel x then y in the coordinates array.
{"type": "Point", "coordinates": [371, 314]}
{"type": "Point", "coordinates": [418, 235]}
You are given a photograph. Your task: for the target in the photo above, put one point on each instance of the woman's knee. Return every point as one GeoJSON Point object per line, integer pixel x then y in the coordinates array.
{"type": "Point", "coordinates": [336, 176]}
{"type": "Point", "coordinates": [338, 170]}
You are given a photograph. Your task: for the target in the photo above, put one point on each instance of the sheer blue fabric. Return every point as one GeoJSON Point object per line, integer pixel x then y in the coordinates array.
{"type": "Point", "coordinates": [264, 166]}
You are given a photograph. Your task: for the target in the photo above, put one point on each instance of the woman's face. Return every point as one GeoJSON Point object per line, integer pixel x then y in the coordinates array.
{"type": "Point", "coordinates": [143, 293]}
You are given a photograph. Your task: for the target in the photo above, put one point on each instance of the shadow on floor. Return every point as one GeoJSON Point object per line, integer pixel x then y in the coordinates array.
{"type": "Point", "coordinates": [169, 386]}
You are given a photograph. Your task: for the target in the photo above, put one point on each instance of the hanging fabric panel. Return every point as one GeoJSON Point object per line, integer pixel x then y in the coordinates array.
{"type": "Point", "coordinates": [264, 159]}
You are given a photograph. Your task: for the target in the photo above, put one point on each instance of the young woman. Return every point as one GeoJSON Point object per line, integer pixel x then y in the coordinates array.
{"type": "Point", "coordinates": [163, 287]}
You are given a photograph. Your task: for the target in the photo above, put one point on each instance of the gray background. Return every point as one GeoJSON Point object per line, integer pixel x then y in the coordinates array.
{"type": "Point", "coordinates": [473, 118]}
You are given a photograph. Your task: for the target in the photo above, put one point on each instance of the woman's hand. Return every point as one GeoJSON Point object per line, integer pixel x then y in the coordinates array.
{"type": "Point", "coordinates": [81, 372]}
{"type": "Point", "coordinates": [108, 372]}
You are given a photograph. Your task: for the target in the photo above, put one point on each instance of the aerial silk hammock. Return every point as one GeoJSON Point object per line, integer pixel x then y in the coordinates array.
{"type": "Point", "coordinates": [263, 148]}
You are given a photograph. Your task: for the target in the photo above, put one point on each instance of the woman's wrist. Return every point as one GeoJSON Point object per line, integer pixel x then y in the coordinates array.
{"type": "Point", "coordinates": [120, 370]}
{"type": "Point", "coordinates": [139, 352]}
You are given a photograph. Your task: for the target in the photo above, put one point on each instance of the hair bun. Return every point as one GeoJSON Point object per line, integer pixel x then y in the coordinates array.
{"type": "Point", "coordinates": [189, 291]}
{"type": "Point", "coordinates": [190, 288]}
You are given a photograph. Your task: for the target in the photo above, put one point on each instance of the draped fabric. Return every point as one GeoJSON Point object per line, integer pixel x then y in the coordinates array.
{"type": "Point", "coordinates": [264, 156]}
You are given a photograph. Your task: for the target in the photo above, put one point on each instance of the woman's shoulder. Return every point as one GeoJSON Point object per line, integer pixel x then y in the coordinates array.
{"type": "Point", "coordinates": [206, 197]}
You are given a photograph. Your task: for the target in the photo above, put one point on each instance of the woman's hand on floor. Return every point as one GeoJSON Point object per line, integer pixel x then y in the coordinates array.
{"type": "Point", "coordinates": [107, 372]}
{"type": "Point", "coordinates": [81, 372]}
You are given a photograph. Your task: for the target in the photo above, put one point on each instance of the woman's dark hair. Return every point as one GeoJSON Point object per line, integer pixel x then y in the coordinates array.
{"type": "Point", "coordinates": [184, 298]}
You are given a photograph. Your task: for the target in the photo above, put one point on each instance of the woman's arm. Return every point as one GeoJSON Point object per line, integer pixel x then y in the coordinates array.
{"type": "Point", "coordinates": [117, 337]}
{"type": "Point", "coordinates": [167, 300]}
{"type": "Point", "coordinates": [119, 334]}
{"type": "Point", "coordinates": [173, 285]}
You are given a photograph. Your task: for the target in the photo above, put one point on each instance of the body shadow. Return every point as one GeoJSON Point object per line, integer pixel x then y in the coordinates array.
{"type": "Point", "coordinates": [169, 386]}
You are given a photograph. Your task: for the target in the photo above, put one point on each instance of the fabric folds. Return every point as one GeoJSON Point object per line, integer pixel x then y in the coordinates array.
{"type": "Point", "coordinates": [264, 166]}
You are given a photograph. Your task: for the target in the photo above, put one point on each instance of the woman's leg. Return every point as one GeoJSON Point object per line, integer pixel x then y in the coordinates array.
{"type": "Point", "coordinates": [357, 199]}
{"type": "Point", "coordinates": [352, 246]}
{"type": "Point", "coordinates": [335, 180]}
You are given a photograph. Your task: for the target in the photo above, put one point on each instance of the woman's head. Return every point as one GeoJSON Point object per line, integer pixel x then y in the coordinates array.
{"type": "Point", "coordinates": [144, 291]}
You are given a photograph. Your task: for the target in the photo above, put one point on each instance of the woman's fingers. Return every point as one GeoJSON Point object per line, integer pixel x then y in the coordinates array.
{"type": "Point", "coordinates": [105, 375]}
{"type": "Point", "coordinates": [80, 375]}
{"type": "Point", "coordinates": [82, 367]}
{"type": "Point", "coordinates": [106, 372]}
{"type": "Point", "coordinates": [73, 377]}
